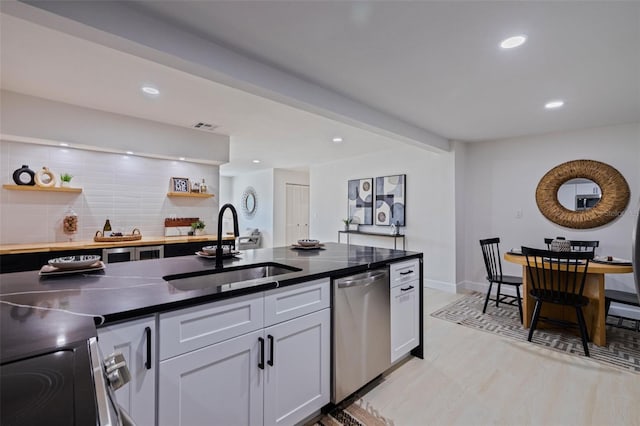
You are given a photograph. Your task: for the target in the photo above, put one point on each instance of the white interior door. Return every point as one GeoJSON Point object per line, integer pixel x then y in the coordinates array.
{"type": "Point", "coordinates": [297, 215]}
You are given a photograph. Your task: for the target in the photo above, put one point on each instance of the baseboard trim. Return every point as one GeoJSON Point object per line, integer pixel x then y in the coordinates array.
{"type": "Point", "coordinates": [441, 285]}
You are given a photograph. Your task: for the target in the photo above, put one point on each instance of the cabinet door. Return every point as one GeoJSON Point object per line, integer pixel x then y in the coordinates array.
{"type": "Point", "coordinates": [405, 327]}
{"type": "Point", "coordinates": [219, 384]}
{"type": "Point", "coordinates": [136, 341]}
{"type": "Point", "coordinates": [297, 366]}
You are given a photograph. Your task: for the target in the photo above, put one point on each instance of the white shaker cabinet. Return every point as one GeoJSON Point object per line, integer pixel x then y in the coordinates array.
{"type": "Point", "coordinates": [136, 340]}
{"type": "Point", "coordinates": [405, 308]}
{"type": "Point", "coordinates": [278, 375]}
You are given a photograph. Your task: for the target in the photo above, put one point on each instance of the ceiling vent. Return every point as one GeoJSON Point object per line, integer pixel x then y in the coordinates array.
{"type": "Point", "coordinates": [207, 127]}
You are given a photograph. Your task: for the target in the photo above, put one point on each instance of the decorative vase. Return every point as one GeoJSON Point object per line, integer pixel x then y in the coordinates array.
{"type": "Point", "coordinates": [199, 232]}
{"type": "Point", "coordinates": [560, 245]}
{"type": "Point", "coordinates": [24, 176]}
{"type": "Point", "coordinates": [65, 184]}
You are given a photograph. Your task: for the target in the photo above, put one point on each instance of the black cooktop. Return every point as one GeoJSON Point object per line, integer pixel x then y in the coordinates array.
{"type": "Point", "coordinates": [48, 389]}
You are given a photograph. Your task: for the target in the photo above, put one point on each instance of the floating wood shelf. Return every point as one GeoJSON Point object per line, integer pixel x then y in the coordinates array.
{"type": "Point", "coordinates": [189, 194]}
{"type": "Point", "coordinates": [41, 188]}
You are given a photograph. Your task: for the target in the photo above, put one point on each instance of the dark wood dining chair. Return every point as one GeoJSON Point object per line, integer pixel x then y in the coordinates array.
{"type": "Point", "coordinates": [491, 254]}
{"type": "Point", "coordinates": [558, 278]}
{"type": "Point", "coordinates": [584, 245]}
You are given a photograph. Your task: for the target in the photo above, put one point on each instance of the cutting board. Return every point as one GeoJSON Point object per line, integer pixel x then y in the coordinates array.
{"type": "Point", "coordinates": [178, 226]}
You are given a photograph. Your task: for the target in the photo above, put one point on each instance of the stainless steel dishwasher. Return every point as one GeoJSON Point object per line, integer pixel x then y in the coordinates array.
{"type": "Point", "coordinates": [361, 331]}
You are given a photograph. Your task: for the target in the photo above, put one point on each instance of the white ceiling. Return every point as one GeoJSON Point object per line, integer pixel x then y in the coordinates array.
{"type": "Point", "coordinates": [435, 65]}
{"type": "Point", "coordinates": [41, 62]}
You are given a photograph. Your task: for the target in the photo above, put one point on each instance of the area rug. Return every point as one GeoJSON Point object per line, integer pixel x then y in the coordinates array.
{"type": "Point", "coordinates": [356, 413]}
{"type": "Point", "coordinates": [622, 350]}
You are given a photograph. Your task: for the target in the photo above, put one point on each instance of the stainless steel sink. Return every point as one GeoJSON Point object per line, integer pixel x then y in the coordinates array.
{"type": "Point", "coordinates": [229, 279]}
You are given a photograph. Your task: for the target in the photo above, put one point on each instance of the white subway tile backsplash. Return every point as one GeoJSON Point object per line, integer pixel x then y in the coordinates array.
{"type": "Point", "coordinates": [130, 192]}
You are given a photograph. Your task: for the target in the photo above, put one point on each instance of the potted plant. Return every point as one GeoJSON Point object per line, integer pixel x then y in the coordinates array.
{"type": "Point", "coordinates": [65, 179]}
{"type": "Point", "coordinates": [198, 227]}
{"type": "Point", "coordinates": [347, 222]}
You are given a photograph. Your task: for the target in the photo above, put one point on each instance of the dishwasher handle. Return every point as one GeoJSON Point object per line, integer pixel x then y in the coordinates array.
{"type": "Point", "coordinates": [361, 282]}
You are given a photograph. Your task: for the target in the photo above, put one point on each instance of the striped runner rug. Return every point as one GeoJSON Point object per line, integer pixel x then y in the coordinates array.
{"type": "Point", "coordinates": [623, 344]}
{"type": "Point", "coordinates": [356, 413]}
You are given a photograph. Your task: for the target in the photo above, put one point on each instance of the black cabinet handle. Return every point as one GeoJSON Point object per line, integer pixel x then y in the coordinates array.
{"type": "Point", "coordinates": [261, 363]}
{"type": "Point", "coordinates": [407, 289]}
{"type": "Point", "coordinates": [410, 271]}
{"type": "Point", "coordinates": [147, 363]}
{"type": "Point", "coordinates": [270, 362]}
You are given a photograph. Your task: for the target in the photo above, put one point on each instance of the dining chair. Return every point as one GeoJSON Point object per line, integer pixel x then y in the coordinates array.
{"type": "Point", "coordinates": [558, 278]}
{"type": "Point", "coordinates": [491, 254]}
{"type": "Point", "coordinates": [584, 245]}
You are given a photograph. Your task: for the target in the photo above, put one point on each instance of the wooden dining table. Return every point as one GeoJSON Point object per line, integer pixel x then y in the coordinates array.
{"type": "Point", "coordinates": [594, 290]}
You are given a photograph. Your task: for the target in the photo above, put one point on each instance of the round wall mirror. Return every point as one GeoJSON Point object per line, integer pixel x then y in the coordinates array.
{"type": "Point", "coordinates": [249, 203]}
{"type": "Point", "coordinates": [582, 194]}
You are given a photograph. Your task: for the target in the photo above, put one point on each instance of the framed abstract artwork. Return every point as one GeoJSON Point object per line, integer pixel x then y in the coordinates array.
{"type": "Point", "coordinates": [360, 202]}
{"type": "Point", "coordinates": [390, 200]}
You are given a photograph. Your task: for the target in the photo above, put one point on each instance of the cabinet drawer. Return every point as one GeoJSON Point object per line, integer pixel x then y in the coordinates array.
{"type": "Point", "coordinates": [291, 302]}
{"type": "Point", "coordinates": [403, 272]}
{"type": "Point", "coordinates": [192, 328]}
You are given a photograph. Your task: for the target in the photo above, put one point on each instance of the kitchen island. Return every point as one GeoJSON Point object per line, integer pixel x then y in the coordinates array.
{"type": "Point", "coordinates": [44, 313]}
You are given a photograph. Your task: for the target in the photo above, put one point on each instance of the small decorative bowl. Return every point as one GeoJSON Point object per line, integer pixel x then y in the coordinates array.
{"type": "Point", "coordinates": [211, 250]}
{"type": "Point", "coordinates": [308, 243]}
{"type": "Point", "coordinates": [74, 262]}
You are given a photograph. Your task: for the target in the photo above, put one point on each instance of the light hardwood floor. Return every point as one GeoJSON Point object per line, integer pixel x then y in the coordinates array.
{"type": "Point", "coordinates": [470, 377]}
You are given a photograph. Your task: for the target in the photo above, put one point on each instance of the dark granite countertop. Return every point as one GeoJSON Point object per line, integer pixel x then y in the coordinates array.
{"type": "Point", "coordinates": [130, 289]}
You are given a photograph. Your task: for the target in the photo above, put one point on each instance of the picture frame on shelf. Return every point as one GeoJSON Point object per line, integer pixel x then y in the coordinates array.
{"type": "Point", "coordinates": [360, 201]}
{"type": "Point", "coordinates": [390, 200]}
{"type": "Point", "coordinates": [179, 184]}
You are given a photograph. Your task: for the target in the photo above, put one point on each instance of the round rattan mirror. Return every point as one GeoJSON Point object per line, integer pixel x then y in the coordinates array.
{"type": "Point", "coordinates": [612, 203]}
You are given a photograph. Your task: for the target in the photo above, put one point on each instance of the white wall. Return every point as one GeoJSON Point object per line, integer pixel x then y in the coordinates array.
{"type": "Point", "coordinates": [130, 191]}
{"type": "Point", "coordinates": [281, 178]}
{"type": "Point", "coordinates": [262, 182]}
{"type": "Point", "coordinates": [32, 117]}
{"type": "Point", "coordinates": [501, 177]}
{"type": "Point", "coordinates": [226, 190]}
{"type": "Point", "coordinates": [460, 152]}
{"type": "Point", "coordinates": [430, 214]}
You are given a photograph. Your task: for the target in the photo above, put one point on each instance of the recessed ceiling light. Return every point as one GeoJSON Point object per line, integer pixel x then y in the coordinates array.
{"type": "Point", "coordinates": [256, 161]}
{"type": "Point", "coordinates": [150, 90]}
{"type": "Point", "coordinates": [129, 152]}
{"type": "Point", "coordinates": [553, 104]}
{"type": "Point", "coordinates": [337, 140]}
{"type": "Point", "coordinates": [511, 42]}
{"type": "Point", "coordinates": [181, 158]}
{"type": "Point", "coordinates": [64, 144]}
